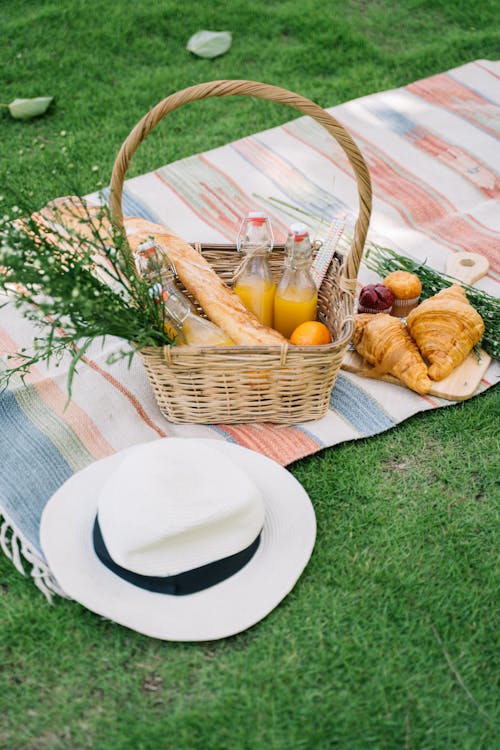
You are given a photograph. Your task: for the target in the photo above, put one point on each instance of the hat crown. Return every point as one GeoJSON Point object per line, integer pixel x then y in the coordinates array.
{"type": "Point", "coordinates": [175, 505]}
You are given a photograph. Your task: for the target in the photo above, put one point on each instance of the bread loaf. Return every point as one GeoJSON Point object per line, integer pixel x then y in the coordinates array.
{"type": "Point", "coordinates": [219, 303]}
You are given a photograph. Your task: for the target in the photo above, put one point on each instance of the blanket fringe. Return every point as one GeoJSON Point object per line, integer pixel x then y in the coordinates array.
{"type": "Point", "coordinates": [16, 548]}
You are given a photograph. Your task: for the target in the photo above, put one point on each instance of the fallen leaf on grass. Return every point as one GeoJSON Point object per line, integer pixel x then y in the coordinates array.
{"type": "Point", "coordinates": [25, 109]}
{"type": "Point", "coordinates": [152, 683]}
{"type": "Point", "coordinates": [209, 43]}
{"type": "Point", "coordinates": [398, 466]}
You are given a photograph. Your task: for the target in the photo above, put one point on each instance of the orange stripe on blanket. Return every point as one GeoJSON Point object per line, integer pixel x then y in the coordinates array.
{"type": "Point", "coordinates": [219, 223]}
{"type": "Point", "coordinates": [76, 418]}
{"type": "Point", "coordinates": [427, 209]}
{"type": "Point", "coordinates": [478, 64]}
{"type": "Point", "coordinates": [280, 229]}
{"type": "Point", "coordinates": [468, 166]}
{"type": "Point", "coordinates": [430, 401]}
{"type": "Point", "coordinates": [282, 444]}
{"type": "Point", "coordinates": [128, 395]}
{"type": "Point", "coordinates": [220, 204]}
{"type": "Point", "coordinates": [442, 91]}
{"type": "Point", "coordinates": [422, 206]}
{"type": "Point", "coordinates": [116, 384]}
{"type": "Point", "coordinates": [419, 206]}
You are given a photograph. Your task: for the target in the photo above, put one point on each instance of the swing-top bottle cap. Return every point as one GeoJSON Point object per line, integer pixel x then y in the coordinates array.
{"type": "Point", "coordinates": [156, 292]}
{"type": "Point", "coordinates": [255, 232]}
{"type": "Point", "coordinates": [149, 251]}
{"type": "Point", "coordinates": [146, 247]}
{"type": "Point", "coordinates": [299, 231]}
{"type": "Point", "coordinates": [257, 217]}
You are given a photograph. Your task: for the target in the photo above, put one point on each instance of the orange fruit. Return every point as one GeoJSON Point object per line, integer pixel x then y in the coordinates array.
{"type": "Point", "coordinates": [311, 333]}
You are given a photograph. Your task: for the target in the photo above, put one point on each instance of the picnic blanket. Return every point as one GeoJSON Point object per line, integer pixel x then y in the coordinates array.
{"type": "Point", "coordinates": [431, 151]}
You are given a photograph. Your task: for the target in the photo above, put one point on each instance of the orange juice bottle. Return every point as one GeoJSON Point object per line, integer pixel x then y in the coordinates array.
{"type": "Point", "coordinates": [296, 298]}
{"type": "Point", "coordinates": [253, 281]}
{"type": "Point", "coordinates": [181, 322]}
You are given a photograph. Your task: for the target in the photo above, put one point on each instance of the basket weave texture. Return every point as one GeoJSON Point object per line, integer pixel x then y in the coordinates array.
{"type": "Point", "coordinates": [240, 384]}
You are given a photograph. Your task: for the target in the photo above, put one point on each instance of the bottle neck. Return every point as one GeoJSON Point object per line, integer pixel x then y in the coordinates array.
{"type": "Point", "coordinates": [296, 263]}
{"type": "Point", "coordinates": [153, 263]}
{"type": "Point", "coordinates": [255, 249]}
{"type": "Point", "coordinates": [255, 237]}
{"type": "Point", "coordinates": [176, 305]}
{"type": "Point", "coordinates": [254, 263]}
{"type": "Point", "coordinates": [257, 254]}
{"type": "Point", "coordinates": [298, 254]}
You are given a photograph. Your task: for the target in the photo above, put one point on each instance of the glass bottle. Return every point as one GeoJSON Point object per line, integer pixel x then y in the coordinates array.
{"type": "Point", "coordinates": [182, 322]}
{"type": "Point", "coordinates": [254, 283]}
{"type": "Point", "coordinates": [296, 298]}
{"type": "Point", "coordinates": [151, 262]}
{"type": "Point", "coordinates": [181, 318]}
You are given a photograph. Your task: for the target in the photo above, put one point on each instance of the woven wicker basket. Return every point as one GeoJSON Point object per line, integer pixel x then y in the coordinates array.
{"type": "Point", "coordinates": [238, 384]}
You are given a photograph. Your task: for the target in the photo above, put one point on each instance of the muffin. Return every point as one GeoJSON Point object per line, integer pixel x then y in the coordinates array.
{"type": "Point", "coordinates": [375, 298]}
{"type": "Point", "coordinates": [406, 288]}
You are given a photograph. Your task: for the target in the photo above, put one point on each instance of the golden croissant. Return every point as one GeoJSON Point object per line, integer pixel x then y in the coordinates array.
{"type": "Point", "coordinates": [446, 327]}
{"type": "Point", "coordinates": [384, 342]}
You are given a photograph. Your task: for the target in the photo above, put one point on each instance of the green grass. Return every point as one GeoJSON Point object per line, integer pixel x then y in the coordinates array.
{"type": "Point", "coordinates": [389, 639]}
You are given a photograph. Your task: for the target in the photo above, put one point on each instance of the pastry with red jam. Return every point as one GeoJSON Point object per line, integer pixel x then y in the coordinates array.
{"type": "Point", "coordinates": [375, 298]}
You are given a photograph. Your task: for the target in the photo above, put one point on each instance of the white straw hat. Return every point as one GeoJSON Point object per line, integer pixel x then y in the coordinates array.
{"type": "Point", "coordinates": [180, 539]}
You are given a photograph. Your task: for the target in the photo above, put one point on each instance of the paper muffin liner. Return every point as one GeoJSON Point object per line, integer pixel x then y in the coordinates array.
{"type": "Point", "coordinates": [402, 307]}
{"type": "Point", "coordinates": [372, 311]}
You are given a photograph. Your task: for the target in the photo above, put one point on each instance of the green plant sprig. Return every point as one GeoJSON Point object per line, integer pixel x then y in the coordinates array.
{"type": "Point", "coordinates": [383, 261]}
{"type": "Point", "coordinates": [76, 286]}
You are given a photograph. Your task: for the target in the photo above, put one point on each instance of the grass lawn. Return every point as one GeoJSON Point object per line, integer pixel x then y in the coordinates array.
{"type": "Point", "coordinates": [389, 640]}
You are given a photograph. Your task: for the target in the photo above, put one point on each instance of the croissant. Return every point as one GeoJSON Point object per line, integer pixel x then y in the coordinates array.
{"type": "Point", "coordinates": [384, 342]}
{"type": "Point", "coordinates": [445, 327]}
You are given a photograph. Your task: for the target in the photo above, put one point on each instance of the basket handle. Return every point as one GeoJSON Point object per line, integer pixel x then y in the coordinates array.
{"type": "Point", "coordinates": [261, 91]}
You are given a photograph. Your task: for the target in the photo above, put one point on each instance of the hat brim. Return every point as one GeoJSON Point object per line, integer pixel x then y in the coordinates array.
{"type": "Point", "coordinates": [222, 610]}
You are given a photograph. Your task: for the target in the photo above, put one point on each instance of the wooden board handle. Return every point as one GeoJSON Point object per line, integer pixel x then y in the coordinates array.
{"type": "Point", "coordinates": [467, 267]}
{"type": "Point", "coordinates": [261, 91]}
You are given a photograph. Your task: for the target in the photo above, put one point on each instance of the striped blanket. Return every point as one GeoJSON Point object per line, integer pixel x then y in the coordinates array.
{"type": "Point", "coordinates": [430, 148]}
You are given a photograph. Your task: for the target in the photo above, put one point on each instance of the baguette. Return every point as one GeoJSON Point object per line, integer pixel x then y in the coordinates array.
{"type": "Point", "coordinates": [221, 305]}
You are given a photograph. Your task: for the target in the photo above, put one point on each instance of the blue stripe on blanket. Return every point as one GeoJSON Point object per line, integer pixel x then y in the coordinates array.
{"type": "Point", "coordinates": [132, 206]}
{"type": "Point", "coordinates": [305, 431]}
{"type": "Point", "coordinates": [398, 122]}
{"type": "Point", "coordinates": [358, 408]}
{"type": "Point", "coordinates": [31, 469]}
{"type": "Point", "coordinates": [318, 202]}
{"type": "Point", "coordinates": [221, 431]}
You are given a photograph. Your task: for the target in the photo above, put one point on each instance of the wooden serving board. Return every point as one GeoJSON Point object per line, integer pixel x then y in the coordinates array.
{"type": "Point", "coordinates": [464, 380]}
{"type": "Point", "coordinates": [459, 386]}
